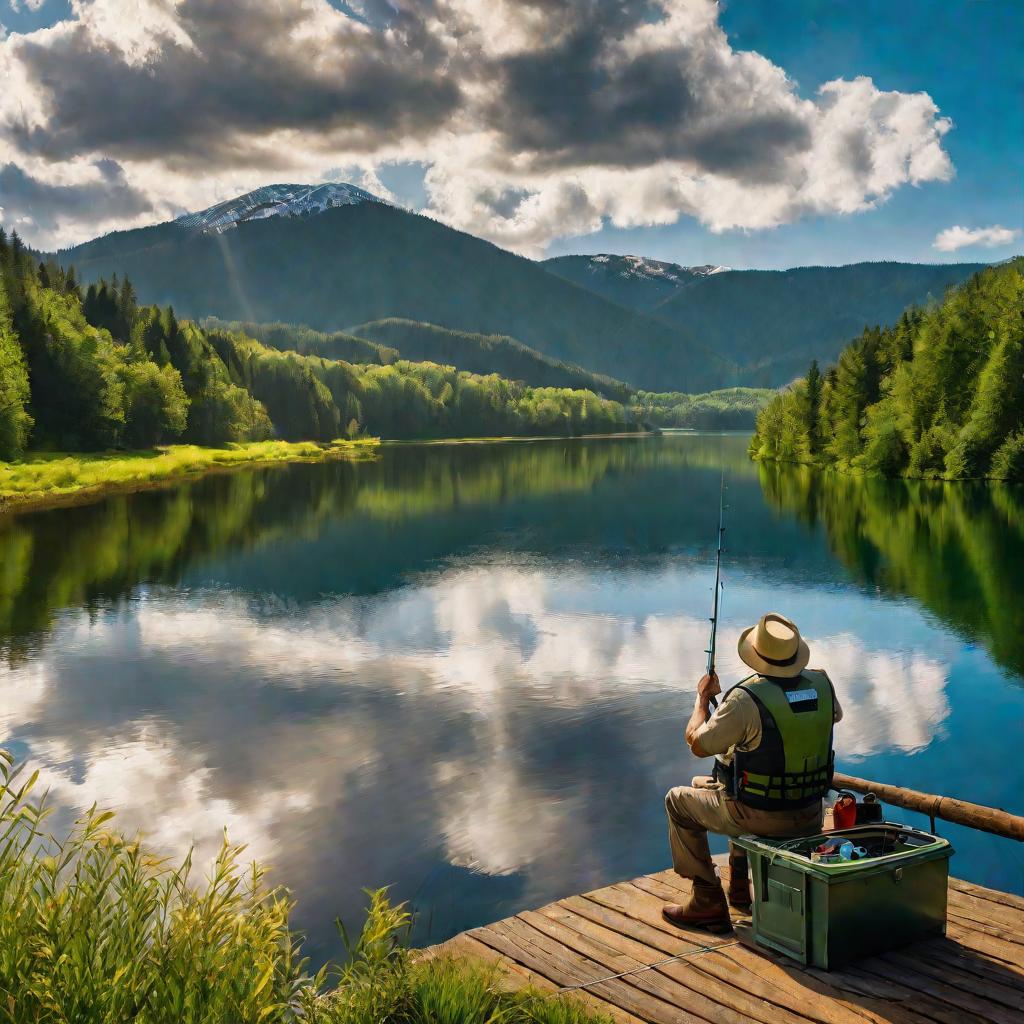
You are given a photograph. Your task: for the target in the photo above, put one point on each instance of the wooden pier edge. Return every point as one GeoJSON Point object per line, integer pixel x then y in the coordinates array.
{"type": "Point", "coordinates": [611, 949]}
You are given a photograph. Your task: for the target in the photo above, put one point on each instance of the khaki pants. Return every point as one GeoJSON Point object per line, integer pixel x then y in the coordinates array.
{"type": "Point", "coordinates": [695, 810]}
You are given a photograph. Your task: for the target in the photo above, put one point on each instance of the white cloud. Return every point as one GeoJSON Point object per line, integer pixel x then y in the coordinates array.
{"type": "Point", "coordinates": [535, 120]}
{"type": "Point", "coordinates": [960, 237]}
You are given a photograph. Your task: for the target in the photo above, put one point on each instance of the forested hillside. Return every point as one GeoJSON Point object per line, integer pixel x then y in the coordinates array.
{"type": "Point", "coordinates": [940, 394]}
{"type": "Point", "coordinates": [94, 370]}
{"type": "Point", "coordinates": [772, 323]}
{"type": "Point", "coordinates": [487, 353]}
{"type": "Point", "coordinates": [366, 262]}
{"type": "Point", "coordinates": [306, 341]}
{"type": "Point", "coordinates": [728, 409]}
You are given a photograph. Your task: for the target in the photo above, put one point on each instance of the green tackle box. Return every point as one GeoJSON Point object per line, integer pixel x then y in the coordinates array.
{"type": "Point", "coordinates": [829, 914]}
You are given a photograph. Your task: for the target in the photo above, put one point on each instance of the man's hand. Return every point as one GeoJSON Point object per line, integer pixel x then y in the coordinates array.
{"type": "Point", "coordinates": [707, 688]}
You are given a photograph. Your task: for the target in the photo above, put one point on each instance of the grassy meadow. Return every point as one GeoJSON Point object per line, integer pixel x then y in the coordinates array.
{"type": "Point", "coordinates": [52, 477]}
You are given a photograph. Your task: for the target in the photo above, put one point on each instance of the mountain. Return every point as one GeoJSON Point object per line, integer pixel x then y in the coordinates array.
{"type": "Point", "coordinates": [275, 201]}
{"type": "Point", "coordinates": [370, 261]}
{"type": "Point", "coordinates": [633, 281]}
{"type": "Point", "coordinates": [774, 322]}
{"type": "Point", "coordinates": [771, 323]}
{"type": "Point", "coordinates": [491, 353]}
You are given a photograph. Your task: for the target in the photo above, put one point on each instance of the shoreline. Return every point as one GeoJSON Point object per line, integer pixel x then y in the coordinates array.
{"type": "Point", "coordinates": [181, 462]}
{"type": "Point", "coordinates": [144, 470]}
{"type": "Point", "coordinates": [867, 474]}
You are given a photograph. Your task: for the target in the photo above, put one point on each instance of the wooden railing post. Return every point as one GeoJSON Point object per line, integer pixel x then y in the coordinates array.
{"type": "Point", "coordinates": [959, 812]}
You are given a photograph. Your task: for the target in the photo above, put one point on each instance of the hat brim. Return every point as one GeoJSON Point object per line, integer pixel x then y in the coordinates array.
{"type": "Point", "coordinates": [754, 660]}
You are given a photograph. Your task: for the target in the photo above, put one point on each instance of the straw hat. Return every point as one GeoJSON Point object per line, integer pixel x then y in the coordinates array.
{"type": "Point", "coordinates": [773, 647]}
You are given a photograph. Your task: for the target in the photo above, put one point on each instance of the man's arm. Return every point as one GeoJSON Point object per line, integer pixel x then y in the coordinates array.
{"type": "Point", "coordinates": [707, 688]}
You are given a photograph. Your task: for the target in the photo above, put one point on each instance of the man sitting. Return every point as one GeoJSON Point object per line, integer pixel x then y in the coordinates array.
{"type": "Point", "coordinates": [772, 742]}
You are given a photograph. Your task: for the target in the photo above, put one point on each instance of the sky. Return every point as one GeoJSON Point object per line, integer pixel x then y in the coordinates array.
{"type": "Point", "coordinates": [745, 134]}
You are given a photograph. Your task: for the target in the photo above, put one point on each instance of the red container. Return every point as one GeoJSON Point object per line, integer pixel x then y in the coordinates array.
{"type": "Point", "coordinates": [844, 812]}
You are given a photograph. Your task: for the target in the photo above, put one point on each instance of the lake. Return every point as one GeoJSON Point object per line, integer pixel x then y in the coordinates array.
{"type": "Point", "coordinates": [464, 670]}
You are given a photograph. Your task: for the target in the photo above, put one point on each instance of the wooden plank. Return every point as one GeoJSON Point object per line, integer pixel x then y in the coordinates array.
{"type": "Point", "coordinates": [650, 903]}
{"type": "Point", "coordinates": [968, 905]}
{"type": "Point", "coordinates": [714, 974]}
{"type": "Point", "coordinates": [515, 975]}
{"type": "Point", "coordinates": [626, 899]}
{"type": "Point", "coordinates": [997, 949]}
{"type": "Point", "coordinates": [718, 1005]}
{"type": "Point", "coordinates": [519, 977]}
{"type": "Point", "coordinates": [566, 969]}
{"type": "Point", "coordinates": [1006, 898]}
{"type": "Point", "coordinates": [882, 1007]}
{"type": "Point", "coordinates": [641, 903]}
{"type": "Point", "coordinates": [852, 979]}
{"type": "Point", "coordinates": [626, 994]}
{"type": "Point", "coordinates": [948, 973]}
{"type": "Point", "coordinates": [754, 967]}
{"type": "Point", "coordinates": [964, 919]}
{"type": "Point", "coordinates": [703, 986]}
{"type": "Point", "coordinates": [976, 973]}
{"type": "Point", "coordinates": [967, 961]}
{"type": "Point", "coordinates": [936, 988]}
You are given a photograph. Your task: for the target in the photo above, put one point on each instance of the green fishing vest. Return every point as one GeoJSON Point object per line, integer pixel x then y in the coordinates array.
{"type": "Point", "coordinates": [792, 766]}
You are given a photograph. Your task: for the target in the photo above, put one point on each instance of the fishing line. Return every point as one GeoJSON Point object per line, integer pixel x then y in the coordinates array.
{"type": "Point", "coordinates": [646, 967]}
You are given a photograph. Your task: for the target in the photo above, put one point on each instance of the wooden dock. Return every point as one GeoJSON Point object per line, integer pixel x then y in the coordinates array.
{"type": "Point", "coordinates": [612, 948]}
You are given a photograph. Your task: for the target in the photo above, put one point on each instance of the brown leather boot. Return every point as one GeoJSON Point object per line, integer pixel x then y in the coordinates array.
{"type": "Point", "coordinates": [739, 880]}
{"type": "Point", "coordinates": [706, 909]}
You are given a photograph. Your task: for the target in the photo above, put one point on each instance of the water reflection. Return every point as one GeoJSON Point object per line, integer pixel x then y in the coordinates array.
{"type": "Point", "coordinates": [957, 549]}
{"type": "Point", "coordinates": [463, 671]}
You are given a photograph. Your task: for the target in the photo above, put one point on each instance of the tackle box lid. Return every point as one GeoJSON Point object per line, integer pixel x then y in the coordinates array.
{"type": "Point", "coordinates": [897, 845]}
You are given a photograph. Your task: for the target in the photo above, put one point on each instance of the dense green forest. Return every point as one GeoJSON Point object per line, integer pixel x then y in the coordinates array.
{"type": "Point", "coordinates": [939, 394]}
{"type": "Point", "coordinates": [394, 340]}
{"type": "Point", "coordinates": [728, 409]}
{"type": "Point", "coordinates": [406, 399]}
{"type": "Point", "coordinates": [356, 264]}
{"type": "Point", "coordinates": [386, 341]}
{"type": "Point", "coordinates": [487, 353]}
{"type": "Point", "coordinates": [94, 370]}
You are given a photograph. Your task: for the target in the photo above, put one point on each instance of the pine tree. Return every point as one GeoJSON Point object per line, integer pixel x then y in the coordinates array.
{"type": "Point", "coordinates": [15, 422]}
{"type": "Point", "coordinates": [814, 387]}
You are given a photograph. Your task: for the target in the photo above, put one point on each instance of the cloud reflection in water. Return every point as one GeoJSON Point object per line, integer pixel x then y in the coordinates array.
{"type": "Point", "coordinates": [502, 720]}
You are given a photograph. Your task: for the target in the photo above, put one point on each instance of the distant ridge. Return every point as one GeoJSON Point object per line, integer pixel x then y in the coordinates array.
{"type": "Point", "coordinates": [363, 261]}
{"type": "Point", "coordinates": [634, 281]}
{"type": "Point", "coordinates": [333, 254]}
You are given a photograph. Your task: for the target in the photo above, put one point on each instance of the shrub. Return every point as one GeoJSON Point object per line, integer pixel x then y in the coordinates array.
{"type": "Point", "coordinates": [94, 929]}
{"type": "Point", "coordinates": [1008, 461]}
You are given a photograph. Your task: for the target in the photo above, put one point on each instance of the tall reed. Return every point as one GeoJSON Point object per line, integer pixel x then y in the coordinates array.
{"type": "Point", "coordinates": [94, 929]}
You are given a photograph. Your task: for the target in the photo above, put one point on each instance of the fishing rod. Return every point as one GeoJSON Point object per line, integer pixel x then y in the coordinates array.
{"type": "Point", "coordinates": [718, 582]}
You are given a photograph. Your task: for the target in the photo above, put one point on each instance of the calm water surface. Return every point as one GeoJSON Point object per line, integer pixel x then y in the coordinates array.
{"type": "Point", "coordinates": [464, 670]}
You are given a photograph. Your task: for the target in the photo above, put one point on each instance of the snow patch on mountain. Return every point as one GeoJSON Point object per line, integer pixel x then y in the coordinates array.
{"type": "Point", "coordinates": [276, 201]}
{"type": "Point", "coordinates": [650, 270]}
